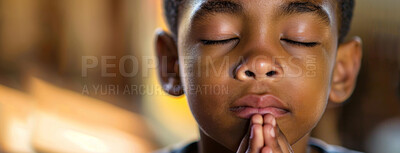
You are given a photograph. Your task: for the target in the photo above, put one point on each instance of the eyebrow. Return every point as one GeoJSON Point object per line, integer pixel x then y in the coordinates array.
{"type": "Point", "coordinates": [234, 8]}
{"type": "Point", "coordinates": [300, 7]}
{"type": "Point", "coordinates": [218, 6]}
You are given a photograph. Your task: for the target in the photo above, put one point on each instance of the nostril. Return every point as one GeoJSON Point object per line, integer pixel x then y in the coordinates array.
{"type": "Point", "coordinates": [249, 73]}
{"type": "Point", "coordinates": [271, 73]}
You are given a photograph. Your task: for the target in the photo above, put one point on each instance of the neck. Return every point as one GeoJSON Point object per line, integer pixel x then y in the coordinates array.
{"type": "Point", "coordinates": [301, 146]}
{"type": "Point", "coordinates": [209, 145]}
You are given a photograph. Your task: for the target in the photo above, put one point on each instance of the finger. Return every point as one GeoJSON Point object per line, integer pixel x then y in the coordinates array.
{"type": "Point", "coordinates": [270, 133]}
{"type": "Point", "coordinates": [256, 139]}
{"type": "Point", "coordinates": [253, 132]}
{"type": "Point", "coordinates": [269, 119]}
{"type": "Point", "coordinates": [283, 142]}
{"type": "Point", "coordinates": [257, 119]}
{"type": "Point", "coordinates": [256, 135]}
{"type": "Point", "coordinates": [270, 138]}
{"type": "Point", "coordinates": [266, 149]}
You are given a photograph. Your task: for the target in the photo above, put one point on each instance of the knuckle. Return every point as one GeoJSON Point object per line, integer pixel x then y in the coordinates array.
{"type": "Point", "coordinates": [267, 126]}
{"type": "Point", "coordinates": [257, 127]}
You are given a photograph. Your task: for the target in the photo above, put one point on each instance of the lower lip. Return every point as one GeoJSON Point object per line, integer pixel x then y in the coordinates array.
{"type": "Point", "coordinates": [247, 112]}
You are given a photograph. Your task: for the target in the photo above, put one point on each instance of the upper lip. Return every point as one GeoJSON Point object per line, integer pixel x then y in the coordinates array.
{"type": "Point", "coordinates": [259, 101]}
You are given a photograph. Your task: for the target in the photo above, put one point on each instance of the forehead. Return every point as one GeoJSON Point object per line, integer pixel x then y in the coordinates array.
{"type": "Point", "coordinates": [326, 10]}
{"type": "Point", "coordinates": [323, 3]}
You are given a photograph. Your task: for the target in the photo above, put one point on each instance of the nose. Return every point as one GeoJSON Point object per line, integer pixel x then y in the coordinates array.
{"type": "Point", "coordinates": [258, 68]}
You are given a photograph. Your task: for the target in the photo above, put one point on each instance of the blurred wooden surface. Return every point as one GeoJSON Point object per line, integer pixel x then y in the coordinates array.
{"type": "Point", "coordinates": [50, 37]}
{"type": "Point", "coordinates": [47, 39]}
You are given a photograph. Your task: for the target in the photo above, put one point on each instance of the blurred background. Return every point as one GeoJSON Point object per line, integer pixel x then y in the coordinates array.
{"type": "Point", "coordinates": [63, 87]}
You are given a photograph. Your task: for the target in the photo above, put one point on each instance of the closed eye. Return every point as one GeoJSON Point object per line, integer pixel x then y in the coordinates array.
{"type": "Point", "coordinates": [303, 44]}
{"type": "Point", "coordinates": [218, 42]}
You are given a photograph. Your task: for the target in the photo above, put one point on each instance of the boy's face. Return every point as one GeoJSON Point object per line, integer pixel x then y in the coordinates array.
{"type": "Point", "coordinates": [241, 57]}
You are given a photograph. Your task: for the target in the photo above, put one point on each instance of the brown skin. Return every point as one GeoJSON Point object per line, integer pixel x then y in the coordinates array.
{"type": "Point", "coordinates": [259, 47]}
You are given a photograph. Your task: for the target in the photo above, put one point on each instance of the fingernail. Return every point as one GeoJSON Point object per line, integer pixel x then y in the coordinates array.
{"type": "Point", "coordinates": [272, 132]}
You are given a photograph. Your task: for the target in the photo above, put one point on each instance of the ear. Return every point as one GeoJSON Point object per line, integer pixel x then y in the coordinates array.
{"type": "Point", "coordinates": [348, 62]}
{"type": "Point", "coordinates": [168, 69]}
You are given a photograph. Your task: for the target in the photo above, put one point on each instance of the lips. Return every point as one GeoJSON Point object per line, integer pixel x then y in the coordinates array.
{"type": "Point", "coordinates": [247, 106]}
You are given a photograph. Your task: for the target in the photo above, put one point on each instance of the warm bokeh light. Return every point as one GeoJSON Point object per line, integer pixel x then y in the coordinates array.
{"type": "Point", "coordinates": [49, 116]}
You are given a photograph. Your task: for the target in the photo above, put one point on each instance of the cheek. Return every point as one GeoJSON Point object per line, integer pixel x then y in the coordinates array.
{"type": "Point", "coordinates": [313, 98]}
{"type": "Point", "coordinates": [308, 91]}
{"type": "Point", "coordinates": [316, 81]}
{"type": "Point", "coordinates": [209, 95]}
{"type": "Point", "coordinates": [210, 112]}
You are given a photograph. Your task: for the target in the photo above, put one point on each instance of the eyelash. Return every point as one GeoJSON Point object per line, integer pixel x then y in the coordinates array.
{"type": "Point", "coordinates": [221, 42]}
{"type": "Point", "coordinates": [218, 42]}
{"type": "Point", "coordinates": [304, 44]}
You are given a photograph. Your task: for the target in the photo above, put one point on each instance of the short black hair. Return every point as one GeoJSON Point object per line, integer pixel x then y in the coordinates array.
{"type": "Point", "coordinates": [346, 7]}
